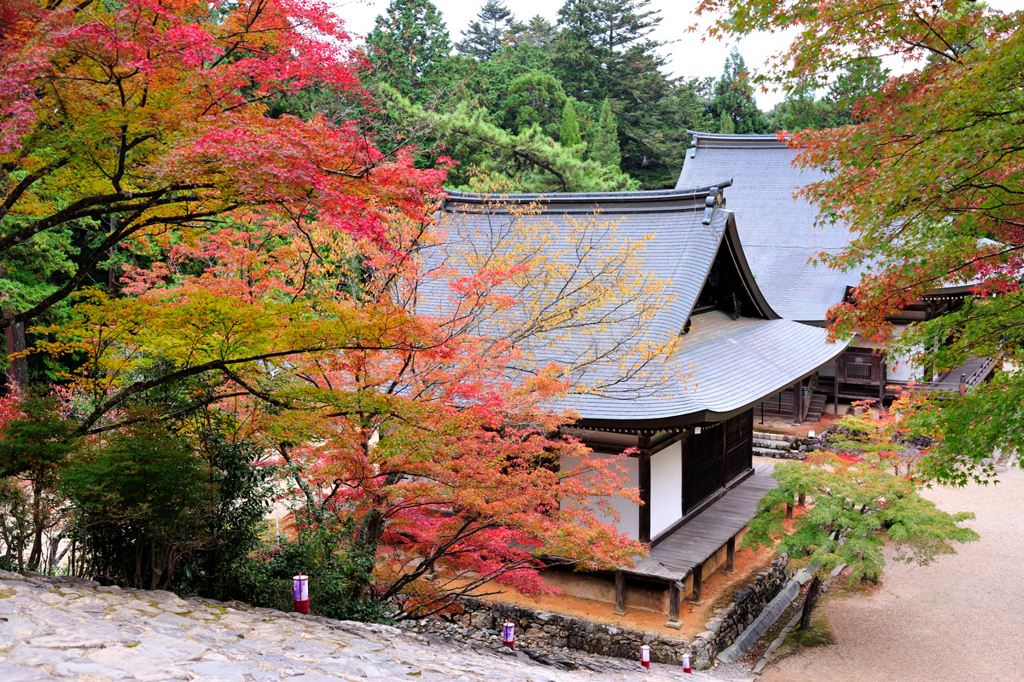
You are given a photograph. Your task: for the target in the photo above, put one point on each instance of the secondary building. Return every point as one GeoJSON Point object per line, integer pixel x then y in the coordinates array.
{"type": "Point", "coordinates": [782, 239]}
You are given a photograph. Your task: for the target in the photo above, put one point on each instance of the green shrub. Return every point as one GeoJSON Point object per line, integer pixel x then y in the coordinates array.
{"type": "Point", "coordinates": [338, 573]}
{"type": "Point", "coordinates": [153, 508]}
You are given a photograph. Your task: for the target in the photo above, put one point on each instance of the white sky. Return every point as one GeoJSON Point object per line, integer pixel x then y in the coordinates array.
{"type": "Point", "coordinates": [686, 54]}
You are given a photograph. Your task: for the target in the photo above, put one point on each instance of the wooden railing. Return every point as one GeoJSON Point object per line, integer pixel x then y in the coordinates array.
{"type": "Point", "coordinates": [811, 385]}
{"type": "Point", "coordinates": [978, 375]}
{"type": "Point", "coordinates": [971, 380]}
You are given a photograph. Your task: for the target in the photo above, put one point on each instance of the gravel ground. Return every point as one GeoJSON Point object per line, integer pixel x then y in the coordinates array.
{"type": "Point", "coordinates": [960, 618]}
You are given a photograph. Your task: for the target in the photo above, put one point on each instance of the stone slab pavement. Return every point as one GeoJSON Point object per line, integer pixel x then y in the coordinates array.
{"type": "Point", "coordinates": [74, 630]}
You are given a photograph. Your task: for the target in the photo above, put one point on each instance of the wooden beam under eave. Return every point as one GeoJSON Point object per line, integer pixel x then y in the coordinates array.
{"type": "Point", "coordinates": [620, 593]}
{"type": "Point", "coordinates": [644, 476]}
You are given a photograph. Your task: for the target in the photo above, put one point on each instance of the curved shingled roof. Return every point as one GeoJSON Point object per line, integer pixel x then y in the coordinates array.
{"type": "Point", "coordinates": [777, 230]}
{"type": "Point", "coordinates": [736, 362]}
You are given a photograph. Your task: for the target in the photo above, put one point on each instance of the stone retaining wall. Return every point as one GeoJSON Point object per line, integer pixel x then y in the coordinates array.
{"type": "Point", "coordinates": [544, 631]}
{"type": "Point", "coordinates": [782, 446]}
{"type": "Point", "coordinates": [729, 621]}
{"type": "Point", "coordinates": [67, 630]}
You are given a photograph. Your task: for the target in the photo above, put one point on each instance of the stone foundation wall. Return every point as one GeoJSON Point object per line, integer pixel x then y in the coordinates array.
{"type": "Point", "coordinates": [642, 595]}
{"type": "Point", "coordinates": [782, 446]}
{"type": "Point", "coordinates": [549, 632]}
{"type": "Point", "coordinates": [729, 621]}
{"type": "Point", "coordinates": [543, 630]}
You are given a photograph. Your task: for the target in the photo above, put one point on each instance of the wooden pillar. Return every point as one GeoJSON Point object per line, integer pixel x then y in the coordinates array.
{"type": "Point", "coordinates": [750, 442]}
{"type": "Point", "coordinates": [620, 593]}
{"type": "Point", "coordinates": [725, 449]}
{"type": "Point", "coordinates": [644, 475]}
{"type": "Point", "coordinates": [685, 443]}
{"type": "Point", "coordinates": [835, 405]}
{"type": "Point", "coordinates": [802, 500]}
{"type": "Point", "coordinates": [789, 510]}
{"type": "Point", "coordinates": [881, 390]}
{"type": "Point", "coordinates": [730, 555]}
{"type": "Point", "coordinates": [698, 580]}
{"type": "Point", "coordinates": [798, 402]}
{"type": "Point", "coordinates": [673, 605]}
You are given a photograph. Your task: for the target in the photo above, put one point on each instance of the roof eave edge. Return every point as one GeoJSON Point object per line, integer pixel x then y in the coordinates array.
{"type": "Point", "coordinates": [555, 198]}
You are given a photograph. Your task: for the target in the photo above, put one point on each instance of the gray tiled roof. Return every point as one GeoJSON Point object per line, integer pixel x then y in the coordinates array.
{"type": "Point", "coordinates": [777, 231]}
{"type": "Point", "coordinates": [736, 362]}
{"type": "Point", "coordinates": [724, 366]}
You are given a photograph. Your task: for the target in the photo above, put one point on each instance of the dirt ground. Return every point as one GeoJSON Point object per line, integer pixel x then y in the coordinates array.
{"type": "Point", "coordinates": [959, 618]}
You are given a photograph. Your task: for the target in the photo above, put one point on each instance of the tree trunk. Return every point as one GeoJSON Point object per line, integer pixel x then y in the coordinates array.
{"type": "Point", "coordinates": [138, 557]}
{"type": "Point", "coordinates": [21, 546]}
{"type": "Point", "coordinates": [17, 369]}
{"type": "Point", "coordinates": [9, 542]}
{"type": "Point", "coordinates": [153, 577]}
{"type": "Point", "coordinates": [809, 601]}
{"type": "Point", "coordinates": [36, 555]}
{"type": "Point", "coordinates": [367, 538]}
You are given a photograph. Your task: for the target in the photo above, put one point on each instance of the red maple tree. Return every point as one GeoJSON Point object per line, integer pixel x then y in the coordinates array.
{"type": "Point", "coordinates": [273, 271]}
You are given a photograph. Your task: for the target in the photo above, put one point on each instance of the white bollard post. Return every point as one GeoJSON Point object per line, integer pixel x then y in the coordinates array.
{"type": "Point", "coordinates": [508, 634]}
{"type": "Point", "coordinates": [300, 592]}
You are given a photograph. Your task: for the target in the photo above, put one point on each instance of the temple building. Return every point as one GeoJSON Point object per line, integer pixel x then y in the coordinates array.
{"type": "Point", "coordinates": [691, 435]}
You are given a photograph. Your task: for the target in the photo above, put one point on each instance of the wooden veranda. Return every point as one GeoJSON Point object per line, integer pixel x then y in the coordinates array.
{"type": "Point", "coordinates": [684, 552]}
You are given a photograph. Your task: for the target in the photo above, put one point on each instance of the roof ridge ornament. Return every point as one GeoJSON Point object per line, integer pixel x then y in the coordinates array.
{"type": "Point", "coordinates": [693, 147]}
{"type": "Point", "coordinates": [713, 200]}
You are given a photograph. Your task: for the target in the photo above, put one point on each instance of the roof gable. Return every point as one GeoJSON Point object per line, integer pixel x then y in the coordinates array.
{"type": "Point", "coordinates": [777, 230]}
{"type": "Point", "coordinates": [689, 233]}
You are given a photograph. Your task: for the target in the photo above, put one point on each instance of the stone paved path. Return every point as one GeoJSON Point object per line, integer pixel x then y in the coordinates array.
{"type": "Point", "coordinates": [76, 631]}
{"type": "Point", "coordinates": [960, 618]}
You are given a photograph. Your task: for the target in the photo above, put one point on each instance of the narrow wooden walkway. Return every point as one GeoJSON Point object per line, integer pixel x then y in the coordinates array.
{"type": "Point", "coordinates": [975, 370]}
{"type": "Point", "coordinates": [676, 556]}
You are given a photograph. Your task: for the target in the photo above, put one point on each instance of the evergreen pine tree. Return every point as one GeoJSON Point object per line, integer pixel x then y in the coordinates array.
{"type": "Point", "coordinates": [410, 48]}
{"type": "Point", "coordinates": [569, 132]}
{"type": "Point", "coordinates": [605, 147]}
{"type": "Point", "coordinates": [862, 78]}
{"type": "Point", "coordinates": [535, 97]}
{"type": "Point", "coordinates": [537, 32]}
{"type": "Point", "coordinates": [486, 35]}
{"type": "Point", "coordinates": [734, 97]}
{"type": "Point", "coordinates": [605, 50]}
{"type": "Point", "coordinates": [528, 161]}
{"type": "Point", "coordinates": [725, 124]}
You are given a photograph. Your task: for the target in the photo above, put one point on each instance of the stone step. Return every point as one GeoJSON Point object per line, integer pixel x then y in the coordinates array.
{"type": "Point", "coordinates": [771, 444]}
{"type": "Point", "coordinates": [768, 452]}
{"type": "Point", "coordinates": [765, 435]}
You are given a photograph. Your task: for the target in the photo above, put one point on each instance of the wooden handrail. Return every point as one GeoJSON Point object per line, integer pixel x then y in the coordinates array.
{"type": "Point", "coordinates": [811, 385]}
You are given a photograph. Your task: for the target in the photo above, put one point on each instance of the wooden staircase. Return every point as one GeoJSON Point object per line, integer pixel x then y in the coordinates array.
{"type": "Point", "coordinates": [781, 407]}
